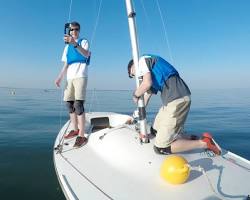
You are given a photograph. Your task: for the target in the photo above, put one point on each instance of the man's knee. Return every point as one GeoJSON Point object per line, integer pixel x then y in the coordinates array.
{"type": "Point", "coordinates": [79, 107]}
{"type": "Point", "coordinates": [70, 106]}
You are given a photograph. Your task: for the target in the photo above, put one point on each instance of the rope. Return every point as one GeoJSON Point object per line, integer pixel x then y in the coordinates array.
{"type": "Point", "coordinates": [199, 168]}
{"type": "Point", "coordinates": [165, 31]}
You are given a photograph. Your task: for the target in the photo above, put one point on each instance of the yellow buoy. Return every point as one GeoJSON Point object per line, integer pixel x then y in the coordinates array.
{"type": "Point", "coordinates": [175, 169]}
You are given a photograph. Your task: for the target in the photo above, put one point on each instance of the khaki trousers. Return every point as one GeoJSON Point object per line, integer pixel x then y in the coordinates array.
{"type": "Point", "coordinates": [75, 89]}
{"type": "Point", "coordinates": [169, 121]}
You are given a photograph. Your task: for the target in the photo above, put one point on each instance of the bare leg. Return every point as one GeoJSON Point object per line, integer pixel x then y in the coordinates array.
{"type": "Point", "coordinates": [73, 120]}
{"type": "Point", "coordinates": [181, 145]}
{"type": "Point", "coordinates": [81, 124]}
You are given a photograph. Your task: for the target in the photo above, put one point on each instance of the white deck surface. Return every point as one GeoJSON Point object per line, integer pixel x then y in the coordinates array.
{"type": "Point", "coordinates": [119, 167]}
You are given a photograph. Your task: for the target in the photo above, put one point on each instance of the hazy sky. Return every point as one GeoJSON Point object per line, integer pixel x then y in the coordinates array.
{"type": "Point", "coordinates": [209, 40]}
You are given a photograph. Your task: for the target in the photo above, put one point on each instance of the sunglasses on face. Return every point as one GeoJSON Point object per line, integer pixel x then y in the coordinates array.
{"type": "Point", "coordinates": [131, 75]}
{"type": "Point", "coordinates": [74, 29]}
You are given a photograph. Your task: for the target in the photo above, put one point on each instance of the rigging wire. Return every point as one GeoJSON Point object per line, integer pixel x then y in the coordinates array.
{"type": "Point", "coordinates": [61, 105]}
{"type": "Point", "coordinates": [96, 23]}
{"type": "Point", "coordinates": [70, 11]}
{"type": "Point", "coordinates": [91, 100]}
{"type": "Point", "coordinates": [94, 98]}
{"type": "Point", "coordinates": [145, 12]}
{"type": "Point", "coordinates": [94, 95]}
{"type": "Point", "coordinates": [86, 177]}
{"type": "Point", "coordinates": [147, 20]}
{"type": "Point", "coordinates": [61, 96]}
{"type": "Point", "coordinates": [165, 32]}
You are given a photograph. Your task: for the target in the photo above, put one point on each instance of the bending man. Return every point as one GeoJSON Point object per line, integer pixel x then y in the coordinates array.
{"type": "Point", "coordinates": [158, 75]}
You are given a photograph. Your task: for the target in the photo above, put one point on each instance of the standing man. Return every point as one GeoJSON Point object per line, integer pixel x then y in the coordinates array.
{"type": "Point", "coordinates": [158, 75]}
{"type": "Point", "coordinates": [76, 59]}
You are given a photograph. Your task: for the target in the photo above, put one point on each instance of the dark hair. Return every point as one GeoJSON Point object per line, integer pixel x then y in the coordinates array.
{"type": "Point", "coordinates": [131, 62]}
{"type": "Point", "coordinates": [75, 24]}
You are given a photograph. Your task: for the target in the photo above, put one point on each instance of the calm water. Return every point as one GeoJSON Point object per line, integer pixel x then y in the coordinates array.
{"type": "Point", "coordinates": [31, 119]}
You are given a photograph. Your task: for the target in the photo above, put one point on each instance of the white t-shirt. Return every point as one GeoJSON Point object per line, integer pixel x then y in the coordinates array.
{"type": "Point", "coordinates": [76, 70]}
{"type": "Point", "coordinates": [143, 68]}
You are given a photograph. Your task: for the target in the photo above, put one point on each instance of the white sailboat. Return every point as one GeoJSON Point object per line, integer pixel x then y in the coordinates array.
{"type": "Point", "coordinates": [117, 164]}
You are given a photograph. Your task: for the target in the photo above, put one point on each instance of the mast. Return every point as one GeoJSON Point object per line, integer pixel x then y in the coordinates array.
{"type": "Point", "coordinates": [133, 37]}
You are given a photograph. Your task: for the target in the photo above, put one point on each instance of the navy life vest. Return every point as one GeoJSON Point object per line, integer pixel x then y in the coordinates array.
{"type": "Point", "coordinates": [73, 56]}
{"type": "Point", "coordinates": [161, 71]}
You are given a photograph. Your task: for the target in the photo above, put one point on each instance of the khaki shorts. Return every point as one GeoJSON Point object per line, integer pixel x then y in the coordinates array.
{"type": "Point", "coordinates": [75, 89]}
{"type": "Point", "coordinates": [169, 121]}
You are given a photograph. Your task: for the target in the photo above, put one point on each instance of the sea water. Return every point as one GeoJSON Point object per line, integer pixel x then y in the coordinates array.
{"type": "Point", "coordinates": [31, 118]}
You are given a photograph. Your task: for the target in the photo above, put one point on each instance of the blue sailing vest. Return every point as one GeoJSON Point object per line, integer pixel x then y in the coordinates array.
{"type": "Point", "coordinates": [161, 70]}
{"type": "Point", "coordinates": [73, 56]}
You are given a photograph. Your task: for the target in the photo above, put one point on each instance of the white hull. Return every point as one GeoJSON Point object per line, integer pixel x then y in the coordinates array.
{"type": "Point", "coordinates": [116, 166]}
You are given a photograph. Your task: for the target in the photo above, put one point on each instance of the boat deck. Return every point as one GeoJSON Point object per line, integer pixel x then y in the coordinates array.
{"type": "Point", "coordinates": [114, 165]}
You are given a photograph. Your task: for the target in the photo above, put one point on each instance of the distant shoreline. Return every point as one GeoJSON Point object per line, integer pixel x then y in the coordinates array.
{"type": "Point", "coordinates": [55, 89]}
{"type": "Point", "coordinates": [49, 89]}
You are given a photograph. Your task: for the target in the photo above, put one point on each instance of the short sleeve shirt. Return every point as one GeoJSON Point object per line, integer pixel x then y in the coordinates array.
{"type": "Point", "coordinates": [143, 67]}
{"type": "Point", "coordinates": [174, 87]}
{"type": "Point", "coordinates": [76, 70]}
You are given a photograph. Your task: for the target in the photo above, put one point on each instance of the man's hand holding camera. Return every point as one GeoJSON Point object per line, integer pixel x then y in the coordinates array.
{"type": "Point", "coordinates": [69, 40]}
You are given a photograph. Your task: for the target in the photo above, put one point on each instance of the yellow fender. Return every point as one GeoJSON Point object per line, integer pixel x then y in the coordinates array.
{"type": "Point", "coordinates": [175, 169]}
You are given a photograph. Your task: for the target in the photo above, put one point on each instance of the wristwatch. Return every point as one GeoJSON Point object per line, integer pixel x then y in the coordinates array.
{"type": "Point", "coordinates": [75, 46]}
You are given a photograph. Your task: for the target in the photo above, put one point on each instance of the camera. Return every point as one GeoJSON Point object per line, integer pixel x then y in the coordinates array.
{"type": "Point", "coordinates": [67, 28]}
